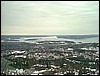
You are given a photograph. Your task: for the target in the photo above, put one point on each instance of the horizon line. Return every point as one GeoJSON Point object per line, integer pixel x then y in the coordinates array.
{"type": "Point", "coordinates": [49, 34]}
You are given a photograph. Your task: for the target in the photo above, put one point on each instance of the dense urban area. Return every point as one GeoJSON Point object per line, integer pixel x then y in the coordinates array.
{"type": "Point", "coordinates": [49, 57]}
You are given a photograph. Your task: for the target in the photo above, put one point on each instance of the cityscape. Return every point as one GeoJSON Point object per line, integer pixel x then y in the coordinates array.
{"type": "Point", "coordinates": [49, 37]}
{"type": "Point", "coordinates": [48, 55]}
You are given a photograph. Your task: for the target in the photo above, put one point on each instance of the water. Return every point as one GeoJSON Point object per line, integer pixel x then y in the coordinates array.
{"type": "Point", "coordinates": [75, 38]}
{"type": "Point", "coordinates": [88, 40]}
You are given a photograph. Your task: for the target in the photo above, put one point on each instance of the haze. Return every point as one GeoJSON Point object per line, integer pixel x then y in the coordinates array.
{"type": "Point", "coordinates": [49, 17]}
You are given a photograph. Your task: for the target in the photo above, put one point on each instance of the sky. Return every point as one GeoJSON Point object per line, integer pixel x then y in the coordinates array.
{"type": "Point", "coordinates": [49, 17]}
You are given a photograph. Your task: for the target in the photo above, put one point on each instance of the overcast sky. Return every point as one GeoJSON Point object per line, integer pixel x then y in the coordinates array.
{"type": "Point", "coordinates": [49, 17]}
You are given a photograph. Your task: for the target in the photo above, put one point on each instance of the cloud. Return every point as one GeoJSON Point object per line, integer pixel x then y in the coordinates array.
{"type": "Point", "coordinates": [49, 17]}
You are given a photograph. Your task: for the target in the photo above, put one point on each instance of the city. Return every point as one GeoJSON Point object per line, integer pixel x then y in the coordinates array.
{"type": "Point", "coordinates": [49, 37]}
{"type": "Point", "coordinates": [49, 56]}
